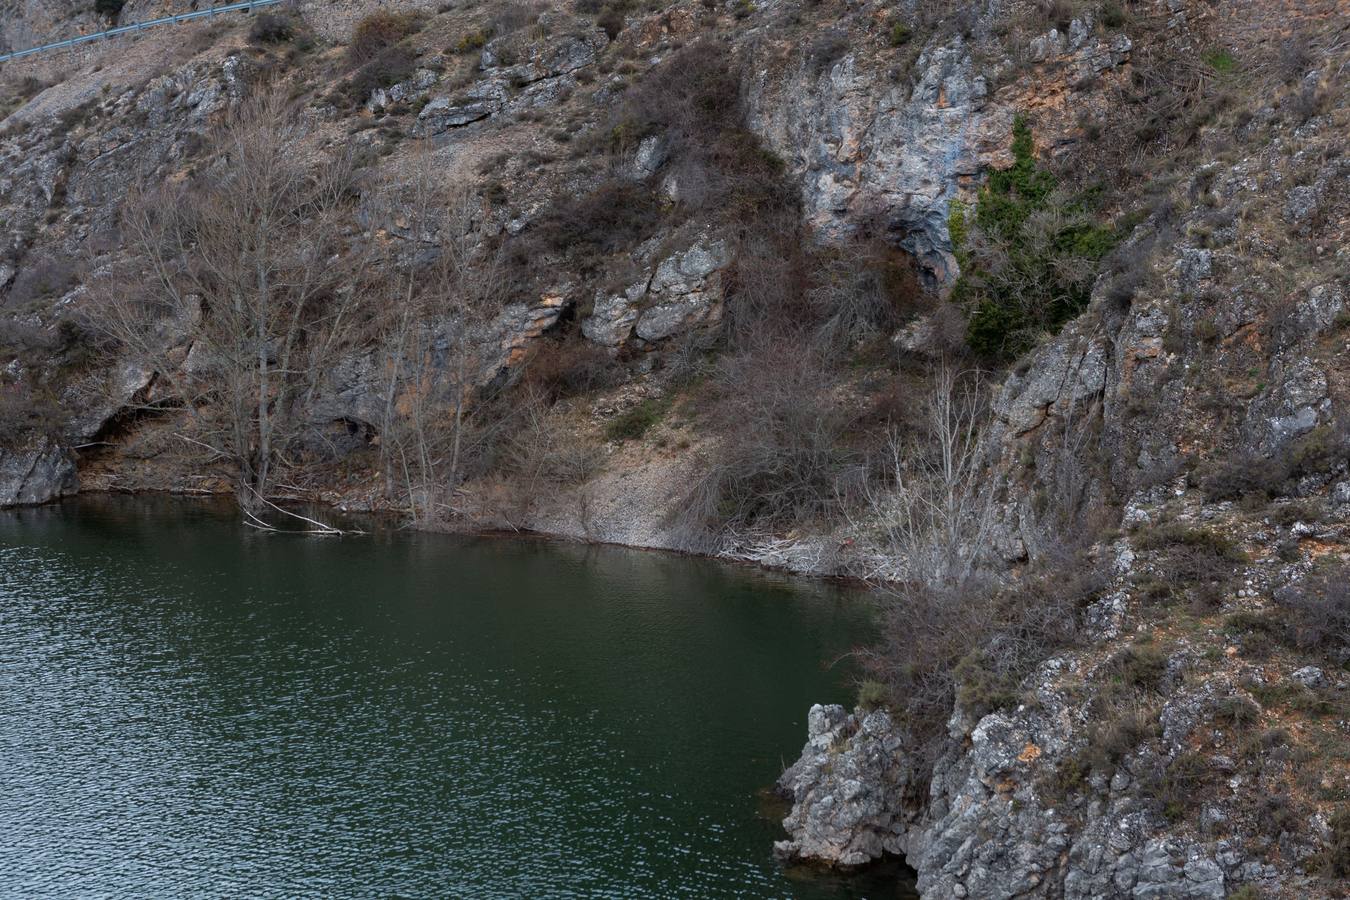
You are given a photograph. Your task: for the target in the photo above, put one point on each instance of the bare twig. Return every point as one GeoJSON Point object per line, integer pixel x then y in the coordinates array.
{"type": "Point", "coordinates": [321, 528]}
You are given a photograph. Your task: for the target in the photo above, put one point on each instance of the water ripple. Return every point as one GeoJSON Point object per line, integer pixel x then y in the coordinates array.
{"type": "Point", "coordinates": [188, 710]}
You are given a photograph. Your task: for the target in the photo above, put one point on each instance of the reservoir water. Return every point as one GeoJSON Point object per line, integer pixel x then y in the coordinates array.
{"type": "Point", "coordinates": [190, 708]}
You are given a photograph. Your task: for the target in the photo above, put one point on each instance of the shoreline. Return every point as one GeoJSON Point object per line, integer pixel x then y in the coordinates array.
{"type": "Point", "coordinates": [389, 519]}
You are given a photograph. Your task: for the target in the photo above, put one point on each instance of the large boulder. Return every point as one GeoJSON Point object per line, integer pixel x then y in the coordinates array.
{"type": "Point", "coordinates": [847, 790]}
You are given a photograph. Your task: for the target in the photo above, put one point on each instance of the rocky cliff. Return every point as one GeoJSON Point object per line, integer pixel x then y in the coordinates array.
{"type": "Point", "coordinates": [682, 275]}
{"type": "Point", "coordinates": [1178, 745]}
{"type": "Point", "coordinates": [859, 137]}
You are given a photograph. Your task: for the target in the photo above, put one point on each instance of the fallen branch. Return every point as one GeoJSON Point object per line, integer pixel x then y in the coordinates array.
{"type": "Point", "coordinates": [317, 527]}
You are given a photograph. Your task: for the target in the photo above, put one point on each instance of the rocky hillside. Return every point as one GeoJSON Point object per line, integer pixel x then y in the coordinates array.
{"type": "Point", "coordinates": [1031, 313]}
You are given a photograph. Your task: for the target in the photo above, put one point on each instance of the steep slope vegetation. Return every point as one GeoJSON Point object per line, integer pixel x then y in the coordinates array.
{"type": "Point", "coordinates": [1031, 313]}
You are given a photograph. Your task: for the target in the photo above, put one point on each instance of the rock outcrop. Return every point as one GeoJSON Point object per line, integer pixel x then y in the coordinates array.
{"type": "Point", "coordinates": [681, 293]}
{"type": "Point", "coordinates": [848, 790]}
{"type": "Point", "coordinates": [1075, 788]}
{"type": "Point", "coordinates": [998, 820]}
{"type": "Point", "coordinates": [869, 150]}
{"type": "Point", "coordinates": [36, 474]}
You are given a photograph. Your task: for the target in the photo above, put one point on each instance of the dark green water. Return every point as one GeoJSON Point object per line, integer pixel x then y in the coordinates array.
{"type": "Point", "coordinates": [191, 708]}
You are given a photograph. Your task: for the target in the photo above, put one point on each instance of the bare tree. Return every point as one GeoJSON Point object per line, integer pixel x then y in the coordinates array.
{"type": "Point", "coordinates": [956, 632]}
{"type": "Point", "coordinates": [253, 259]}
{"type": "Point", "coordinates": [441, 285]}
{"type": "Point", "coordinates": [936, 515]}
{"type": "Point", "coordinates": [780, 461]}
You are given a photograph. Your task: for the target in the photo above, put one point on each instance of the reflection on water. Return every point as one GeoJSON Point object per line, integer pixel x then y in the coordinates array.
{"type": "Point", "coordinates": [188, 707]}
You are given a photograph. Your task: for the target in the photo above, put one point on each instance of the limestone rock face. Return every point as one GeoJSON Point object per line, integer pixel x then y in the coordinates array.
{"type": "Point", "coordinates": [94, 401]}
{"type": "Point", "coordinates": [848, 790]}
{"type": "Point", "coordinates": [357, 384]}
{"type": "Point", "coordinates": [1060, 376]}
{"type": "Point", "coordinates": [994, 828]}
{"type": "Point", "coordinates": [543, 78]}
{"type": "Point", "coordinates": [612, 318]}
{"type": "Point", "coordinates": [441, 114]}
{"type": "Point", "coordinates": [989, 826]}
{"type": "Point", "coordinates": [871, 146]}
{"type": "Point", "coordinates": [36, 474]}
{"type": "Point", "coordinates": [863, 147]}
{"type": "Point", "coordinates": [403, 92]}
{"type": "Point", "coordinates": [682, 292]}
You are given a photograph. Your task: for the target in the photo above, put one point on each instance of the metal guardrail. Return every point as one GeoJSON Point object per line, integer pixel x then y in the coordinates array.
{"type": "Point", "coordinates": [138, 26]}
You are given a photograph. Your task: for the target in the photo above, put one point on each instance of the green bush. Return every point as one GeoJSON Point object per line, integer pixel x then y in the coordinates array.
{"type": "Point", "coordinates": [901, 34]}
{"type": "Point", "coordinates": [1028, 255]}
{"type": "Point", "coordinates": [636, 422]}
{"type": "Point", "coordinates": [873, 695]}
{"type": "Point", "coordinates": [1220, 60]}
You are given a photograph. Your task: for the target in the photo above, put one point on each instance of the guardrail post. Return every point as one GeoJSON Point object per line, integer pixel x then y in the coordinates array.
{"type": "Point", "coordinates": [108, 34]}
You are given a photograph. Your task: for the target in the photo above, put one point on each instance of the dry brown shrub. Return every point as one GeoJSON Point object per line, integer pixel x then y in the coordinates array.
{"type": "Point", "coordinates": [377, 32]}
{"type": "Point", "coordinates": [568, 367]}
